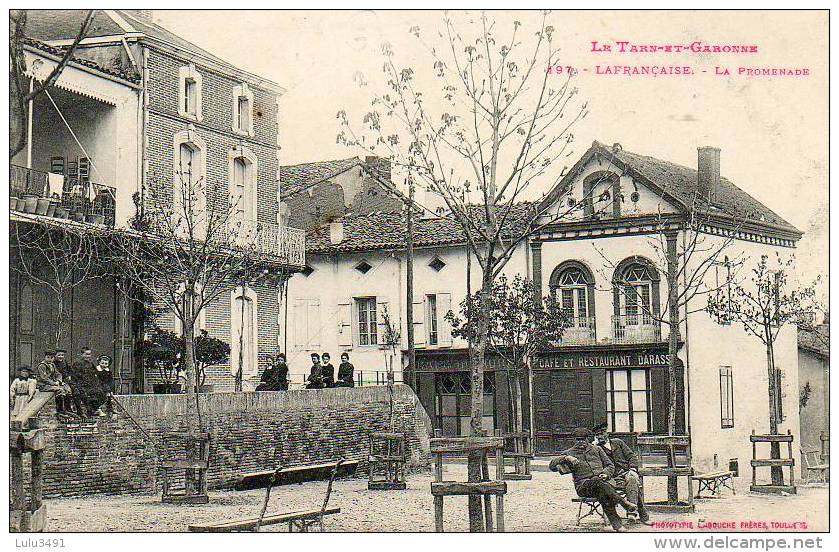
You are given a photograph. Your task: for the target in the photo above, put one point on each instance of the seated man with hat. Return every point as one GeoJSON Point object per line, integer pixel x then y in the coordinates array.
{"type": "Point", "coordinates": [592, 469]}
{"type": "Point", "coordinates": [626, 476]}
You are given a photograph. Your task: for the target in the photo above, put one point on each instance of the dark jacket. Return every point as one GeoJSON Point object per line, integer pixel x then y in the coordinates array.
{"type": "Point", "coordinates": [328, 375]}
{"type": "Point", "coordinates": [346, 374]}
{"type": "Point", "coordinates": [621, 455]}
{"type": "Point", "coordinates": [591, 462]}
{"type": "Point", "coordinates": [315, 380]}
{"type": "Point", "coordinates": [274, 378]}
{"type": "Point", "coordinates": [106, 379]}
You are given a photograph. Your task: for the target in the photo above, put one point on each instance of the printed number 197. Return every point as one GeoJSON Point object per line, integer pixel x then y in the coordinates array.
{"type": "Point", "coordinates": [561, 69]}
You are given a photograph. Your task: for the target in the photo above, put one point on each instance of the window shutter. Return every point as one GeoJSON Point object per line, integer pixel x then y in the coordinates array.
{"type": "Point", "coordinates": [313, 320]}
{"type": "Point", "coordinates": [345, 332]}
{"type": "Point", "coordinates": [444, 329]}
{"type": "Point", "coordinates": [300, 325]}
{"type": "Point", "coordinates": [419, 314]}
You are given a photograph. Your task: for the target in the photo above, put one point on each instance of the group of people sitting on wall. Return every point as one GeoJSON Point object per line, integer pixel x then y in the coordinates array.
{"type": "Point", "coordinates": [322, 373]}
{"type": "Point", "coordinates": [606, 469]}
{"type": "Point", "coordinates": [82, 389]}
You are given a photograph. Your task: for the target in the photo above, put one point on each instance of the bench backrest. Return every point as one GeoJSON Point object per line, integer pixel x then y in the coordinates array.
{"type": "Point", "coordinates": [329, 485]}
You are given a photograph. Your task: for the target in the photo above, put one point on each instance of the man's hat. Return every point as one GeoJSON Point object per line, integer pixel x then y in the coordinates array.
{"type": "Point", "coordinates": [49, 352]}
{"type": "Point", "coordinates": [61, 351]}
{"type": "Point", "coordinates": [602, 428]}
{"type": "Point", "coordinates": [315, 355]}
{"type": "Point", "coordinates": [280, 355]}
{"type": "Point", "coordinates": [581, 433]}
{"type": "Point", "coordinates": [23, 369]}
{"type": "Point", "coordinates": [345, 355]}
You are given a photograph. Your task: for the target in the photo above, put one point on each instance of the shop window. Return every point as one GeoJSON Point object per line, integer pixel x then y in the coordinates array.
{"type": "Point", "coordinates": [628, 405]}
{"type": "Point", "coordinates": [453, 404]}
{"type": "Point", "coordinates": [726, 398]}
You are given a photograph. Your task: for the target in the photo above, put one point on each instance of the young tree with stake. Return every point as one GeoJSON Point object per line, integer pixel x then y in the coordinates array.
{"type": "Point", "coordinates": [763, 306]}
{"type": "Point", "coordinates": [490, 134]}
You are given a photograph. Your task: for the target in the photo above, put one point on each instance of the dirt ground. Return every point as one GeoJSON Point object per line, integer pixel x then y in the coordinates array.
{"type": "Point", "coordinates": [542, 504]}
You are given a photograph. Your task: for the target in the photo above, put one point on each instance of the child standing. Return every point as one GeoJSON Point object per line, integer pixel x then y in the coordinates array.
{"type": "Point", "coordinates": [22, 390]}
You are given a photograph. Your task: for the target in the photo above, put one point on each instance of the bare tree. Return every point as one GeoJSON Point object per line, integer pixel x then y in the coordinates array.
{"type": "Point", "coordinates": [763, 305]}
{"type": "Point", "coordinates": [391, 340]}
{"type": "Point", "coordinates": [19, 95]}
{"type": "Point", "coordinates": [697, 265]}
{"type": "Point", "coordinates": [187, 248]}
{"type": "Point", "coordinates": [58, 258]}
{"type": "Point", "coordinates": [505, 122]}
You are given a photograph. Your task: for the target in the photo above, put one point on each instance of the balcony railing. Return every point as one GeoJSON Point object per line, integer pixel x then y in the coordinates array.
{"type": "Point", "coordinates": [50, 194]}
{"type": "Point", "coordinates": [282, 242]}
{"type": "Point", "coordinates": [635, 328]}
{"type": "Point", "coordinates": [578, 331]}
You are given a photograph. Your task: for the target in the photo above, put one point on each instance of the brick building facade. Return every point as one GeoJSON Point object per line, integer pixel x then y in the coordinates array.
{"type": "Point", "coordinates": [194, 112]}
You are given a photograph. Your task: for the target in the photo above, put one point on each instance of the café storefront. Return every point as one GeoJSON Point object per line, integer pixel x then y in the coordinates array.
{"type": "Point", "coordinates": [626, 388]}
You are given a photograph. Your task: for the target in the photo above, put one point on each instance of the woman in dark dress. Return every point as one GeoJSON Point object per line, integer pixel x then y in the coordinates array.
{"type": "Point", "coordinates": [105, 377]}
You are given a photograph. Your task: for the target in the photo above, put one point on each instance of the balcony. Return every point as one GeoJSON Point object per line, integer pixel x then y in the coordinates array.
{"type": "Point", "coordinates": [635, 328]}
{"type": "Point", "coordinates": [578, 331]}
{"type": "Point", "coordinates": [54, 195]}
{"type": "Point", "coordinates": [272, 240]}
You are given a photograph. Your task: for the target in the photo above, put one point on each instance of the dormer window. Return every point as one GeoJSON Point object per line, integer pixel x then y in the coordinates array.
{"type": "Point", "coordinates": [243, 110]}
{"type": "Point", "coordinates": [189, 91]}
{"type": "Point", "coordinates": [363, 267]}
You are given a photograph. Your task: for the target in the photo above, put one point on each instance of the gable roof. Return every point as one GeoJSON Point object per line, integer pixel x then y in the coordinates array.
{"type": "Point", "coordinates": [386, 231]}
{"type": "Point", "coordinates": [49, 25]}
{"type": "Point", "coordinates": [296, 178]}
{"type": "Point", "coordinates": [64, 25]}
{"type": "Point", "coordinates": [678, 183]}
{"type": "Point", "coordinates": [124, 73]}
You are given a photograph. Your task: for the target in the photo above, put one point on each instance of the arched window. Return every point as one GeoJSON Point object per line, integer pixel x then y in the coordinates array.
{"type": "Point", "coordinates": [243, 332]}
{"type": "Point", "coordinates": [636, 295]}
{"type": "Point", "coordinates": [189, 185]}
{"type": "Point", "coordinates": [572, 285]}
{"type": "Point", "coordinates": [243, 189]}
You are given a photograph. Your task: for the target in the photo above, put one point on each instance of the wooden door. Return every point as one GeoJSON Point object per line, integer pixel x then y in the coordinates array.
{"type": "Point", "coordinates": [564, 400]}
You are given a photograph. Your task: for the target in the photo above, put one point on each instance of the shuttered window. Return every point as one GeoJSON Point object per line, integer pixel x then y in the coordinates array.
{"type": "Point", "coordinates": [367, 321]}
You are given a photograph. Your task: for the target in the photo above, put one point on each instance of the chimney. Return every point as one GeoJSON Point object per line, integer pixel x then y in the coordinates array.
{"type": "Point", "coordinates": [708, 172]}
{"type": "Point", "coordinates": [336, 232]}
{"type": "Point", "coordinates": [379, 165]}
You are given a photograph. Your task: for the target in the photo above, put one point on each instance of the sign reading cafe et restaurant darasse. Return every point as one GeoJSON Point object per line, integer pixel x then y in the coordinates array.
{"type": "Point", "coordinates": [605, 359]}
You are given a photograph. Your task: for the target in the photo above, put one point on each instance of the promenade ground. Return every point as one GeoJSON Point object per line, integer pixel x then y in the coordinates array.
{"type": "Point", "coordinates": [542, 504]}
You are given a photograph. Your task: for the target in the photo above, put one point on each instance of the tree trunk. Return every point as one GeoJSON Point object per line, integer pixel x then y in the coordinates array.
{"type": "Point", "coordinates": [478, 358]}
{"type": "Point", "coordinates": [193, 412]}
{"type": "Point", "coordinates": [774, 448]}
{"type": "Point", "coordinates": [672, 350]}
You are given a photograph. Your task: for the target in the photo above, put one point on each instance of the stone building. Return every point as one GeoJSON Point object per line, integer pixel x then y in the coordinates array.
{"type": "Point", "coordinates": [137, 105]}
{"type": "Point", "coordinates": [611, 365]}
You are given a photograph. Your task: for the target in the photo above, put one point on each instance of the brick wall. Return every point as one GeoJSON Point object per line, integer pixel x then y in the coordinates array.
{"type": "Point", "coordinates": [249, 432]}
{"type": "Point", "coordinates": [215, 130]}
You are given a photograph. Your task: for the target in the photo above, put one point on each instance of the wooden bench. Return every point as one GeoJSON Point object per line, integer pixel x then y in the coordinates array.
{"type": "Point", "coordinates": [300, 520]}
{"type": "Point", "coordinates": [714, 482]}
{"type": "Point", "coordinates": [295, 474]}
